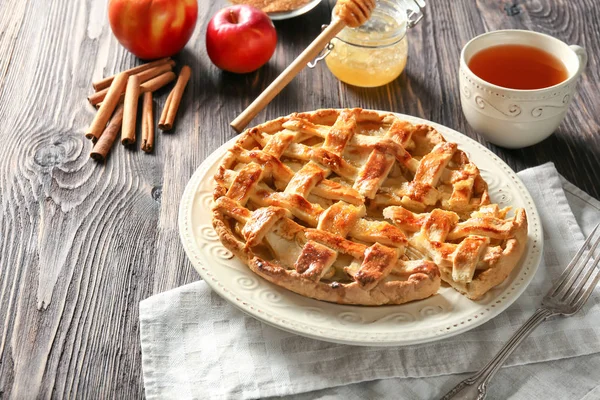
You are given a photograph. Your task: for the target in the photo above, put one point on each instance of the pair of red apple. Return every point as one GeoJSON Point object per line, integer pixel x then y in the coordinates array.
{"type": "Point", "coordinates": [240, 39]}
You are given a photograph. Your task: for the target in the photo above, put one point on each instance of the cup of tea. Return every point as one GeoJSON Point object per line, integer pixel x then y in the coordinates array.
{"type": "Point", "coordinates": [516, 86]}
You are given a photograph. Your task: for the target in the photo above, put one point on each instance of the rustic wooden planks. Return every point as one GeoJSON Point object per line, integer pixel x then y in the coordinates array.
{"type": "Point", "coordinates": [81, 243]}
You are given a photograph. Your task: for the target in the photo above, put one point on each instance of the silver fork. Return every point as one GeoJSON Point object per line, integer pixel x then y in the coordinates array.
{"type": "Point", "coordinates": [565, 298]}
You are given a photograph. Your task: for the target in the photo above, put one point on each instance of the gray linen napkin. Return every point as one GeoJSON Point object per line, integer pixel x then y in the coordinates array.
{"type": "Point", "coordinates": [195, 345]}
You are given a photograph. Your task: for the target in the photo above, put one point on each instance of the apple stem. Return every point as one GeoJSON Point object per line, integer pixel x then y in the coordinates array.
{"type": "Point", "coordinates": [233, 17]}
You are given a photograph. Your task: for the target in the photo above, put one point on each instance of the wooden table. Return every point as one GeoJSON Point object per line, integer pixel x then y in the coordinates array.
{"type": "Point", "coordinates": [82, 243]}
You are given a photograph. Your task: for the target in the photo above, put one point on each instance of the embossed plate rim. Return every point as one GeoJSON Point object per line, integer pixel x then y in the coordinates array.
{"type": "Point", "coordinates": [380, 331]}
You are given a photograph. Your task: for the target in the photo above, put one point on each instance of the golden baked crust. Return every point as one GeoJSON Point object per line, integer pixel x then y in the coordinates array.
{"type": "Point", "coordinates": [473, 255]}
{"type": "Point", "coordinates": [359, 207]}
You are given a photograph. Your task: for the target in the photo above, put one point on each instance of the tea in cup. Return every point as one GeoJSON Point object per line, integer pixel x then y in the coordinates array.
{"type": "Point", "coordinates": [516, 86]}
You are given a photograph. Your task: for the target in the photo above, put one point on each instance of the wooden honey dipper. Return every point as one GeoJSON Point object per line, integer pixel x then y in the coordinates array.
{"type": "Point", "coordinates": [350, 13]}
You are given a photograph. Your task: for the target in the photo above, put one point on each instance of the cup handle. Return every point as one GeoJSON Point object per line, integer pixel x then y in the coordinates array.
{"type": "Point", "coordinates": [583, 58]}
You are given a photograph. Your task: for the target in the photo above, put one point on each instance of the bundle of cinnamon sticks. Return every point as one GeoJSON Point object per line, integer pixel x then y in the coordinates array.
{"type": "Point", "coordinates": [117, 96]}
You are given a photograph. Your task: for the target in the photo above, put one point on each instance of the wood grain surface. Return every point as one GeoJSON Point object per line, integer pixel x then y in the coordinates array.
{"type": "Point", "coordinates": [82, 243]}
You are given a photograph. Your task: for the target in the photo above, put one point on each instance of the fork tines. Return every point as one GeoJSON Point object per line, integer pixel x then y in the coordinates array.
{"type": "Point", "coordinates": [581, 276]}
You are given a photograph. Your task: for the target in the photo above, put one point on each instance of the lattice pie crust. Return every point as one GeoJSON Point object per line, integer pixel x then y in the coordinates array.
{"type": "Point", "coordinates": [359, 207]}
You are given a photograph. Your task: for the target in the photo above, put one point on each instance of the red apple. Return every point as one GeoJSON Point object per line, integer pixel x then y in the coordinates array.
{"type": "Point", "coordinates": [240, 39]}
{"type": "Point", "coordinates": [153, 28]}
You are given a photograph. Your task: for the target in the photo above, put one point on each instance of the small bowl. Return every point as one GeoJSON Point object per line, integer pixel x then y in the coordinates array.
{"type": "Point", "coordinates": [515, 118]}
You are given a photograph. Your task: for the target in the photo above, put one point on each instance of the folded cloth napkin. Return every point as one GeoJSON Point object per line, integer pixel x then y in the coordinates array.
{"type": "Point", "coordinates": [195, 345]}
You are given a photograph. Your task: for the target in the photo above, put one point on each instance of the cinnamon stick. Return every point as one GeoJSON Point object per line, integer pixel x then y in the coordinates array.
{"type": "Point", "coordinates": [97, 97]}
{"type": "Point", "coordinates": [147, 123]}
{"type": "Point", "coordinates": [130, 110]}
{"type": "Point", "coordinates": [104, 144]}
{"type": "Point", "coordinates": [106, 82]}
{"type": "Point", "coordinates": [146, 75]}
{"type": "Point", "coordinates": [153, 84]}
{"type": "Point", "coordinates": [156, 83]}
{"type": "Point", "coordinates": [108, 107]}
{"type": "Point", "coordinates": [172, 104]}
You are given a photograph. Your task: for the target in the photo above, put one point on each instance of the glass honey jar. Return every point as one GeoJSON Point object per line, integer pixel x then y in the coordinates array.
{"type": "Point", "coordinates": [376, 52]}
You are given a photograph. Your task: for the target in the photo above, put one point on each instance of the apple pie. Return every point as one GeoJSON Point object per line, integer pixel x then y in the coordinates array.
{"type": "Point", "coordinates": [360, 207]}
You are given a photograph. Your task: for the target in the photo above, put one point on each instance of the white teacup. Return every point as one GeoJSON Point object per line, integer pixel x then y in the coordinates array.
{"type": "Point", "coordinates": [518, 118]}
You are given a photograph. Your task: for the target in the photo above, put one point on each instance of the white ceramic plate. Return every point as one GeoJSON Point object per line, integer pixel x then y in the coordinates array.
{"type": "Point", "coordinates": [446, 314]}
{"type": "Point", "coordinates": [277, 16]}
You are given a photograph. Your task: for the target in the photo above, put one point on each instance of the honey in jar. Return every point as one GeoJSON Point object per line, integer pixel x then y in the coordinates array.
{"type": "Point", "coordinates": [372, 54]}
